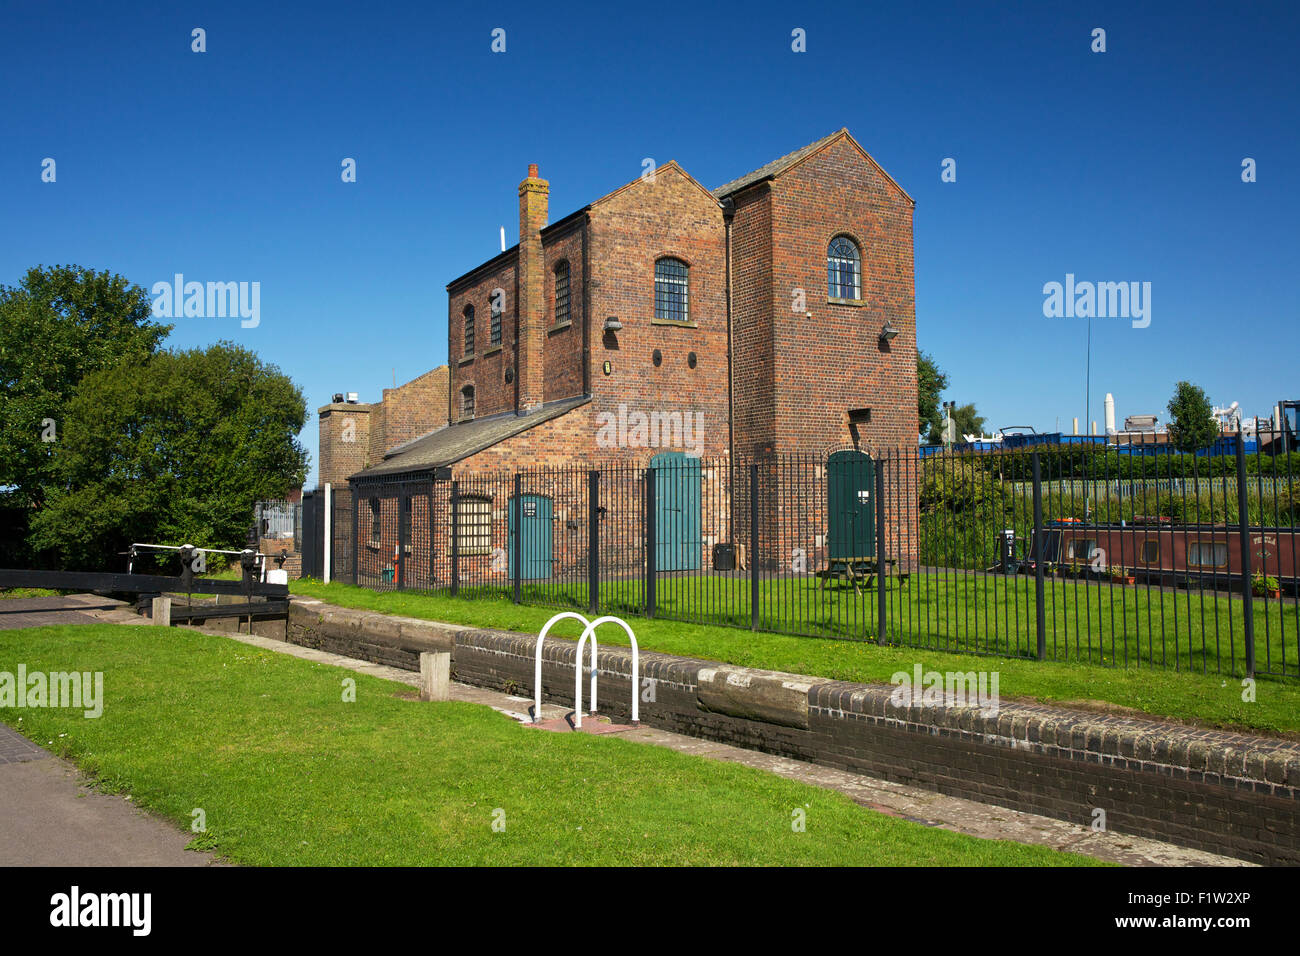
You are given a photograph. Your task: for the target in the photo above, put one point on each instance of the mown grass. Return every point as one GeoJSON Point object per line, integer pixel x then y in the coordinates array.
{"type": "Point", "coordinates": [1207, 699]}
{"type": "Point", "coordinates": [288, 773]}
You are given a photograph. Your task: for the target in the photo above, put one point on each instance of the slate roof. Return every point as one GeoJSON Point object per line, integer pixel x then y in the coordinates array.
{"type": "Point", "coordinates": [775, 167]}
{"type": "Point", "coordinates": [449, 445]}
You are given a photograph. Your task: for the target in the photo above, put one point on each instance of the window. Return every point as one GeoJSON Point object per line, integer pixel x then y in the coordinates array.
{"type": "Point", "coordinates": [1207, 555]}
{"type": "Point", "coordinates": [562, 292]}
{"type": "Point", "coordinates": [498, 306]}
{"type": "Point", "coordinates": [467, 402]}
{"type": "Point", "coordinates": [1081, 548]}
{"type": "Point", "coordinates": [469, 331]}
{"type": "Point", "coordinates": [474, 525]}
{"type": "Point", "coordinates": [1150, 552]}
{"type": "Point", "coordinates": [376, 523]}
{"type": "Point", "coordinates": [843, 269]}
{"type": "Point", "coordinates": [671, 290]}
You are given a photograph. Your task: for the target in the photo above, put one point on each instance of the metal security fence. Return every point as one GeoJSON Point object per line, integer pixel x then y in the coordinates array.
{"type": "Point", "coordinates": [1050, 552]}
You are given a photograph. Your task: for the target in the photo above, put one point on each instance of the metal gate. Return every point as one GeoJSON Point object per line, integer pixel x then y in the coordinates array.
{"type": "Point", "coordinates": [313, 534]}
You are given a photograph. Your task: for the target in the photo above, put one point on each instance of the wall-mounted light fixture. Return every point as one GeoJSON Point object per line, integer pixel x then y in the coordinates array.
{"type": "Point", "coordinates": [887, 333]}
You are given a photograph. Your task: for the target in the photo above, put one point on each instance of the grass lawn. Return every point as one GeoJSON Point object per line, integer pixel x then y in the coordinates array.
{"type": "Point", "coordinates": [287, 773]}
{"type": "Point", "coordinates": [1207, 699]}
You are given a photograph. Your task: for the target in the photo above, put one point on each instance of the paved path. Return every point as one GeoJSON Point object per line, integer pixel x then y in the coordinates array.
{"type": "Point", "coordinates": [49, 817]}
{"type": "Point", "coordinates": [42, 611]}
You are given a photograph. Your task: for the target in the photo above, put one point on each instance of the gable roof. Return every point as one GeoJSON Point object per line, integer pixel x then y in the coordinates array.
{"type": "Point", "coordinates": [787, 162]}
{"type": "Point", "coordinates": [446, 446]}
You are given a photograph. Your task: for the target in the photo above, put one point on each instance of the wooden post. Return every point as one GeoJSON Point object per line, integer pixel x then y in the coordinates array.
{"type": "Point", "coordinates": [162, 611]}
{"type": "Point", "coordinates": [435, 675]}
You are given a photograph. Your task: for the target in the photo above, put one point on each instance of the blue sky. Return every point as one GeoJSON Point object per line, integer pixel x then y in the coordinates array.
{"type": "Point", "coordinates": [1122, 166]}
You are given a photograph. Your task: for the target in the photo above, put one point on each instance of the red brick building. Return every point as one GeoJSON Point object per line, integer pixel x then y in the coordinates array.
{"type": "Point", "coordinates": [772, 315]}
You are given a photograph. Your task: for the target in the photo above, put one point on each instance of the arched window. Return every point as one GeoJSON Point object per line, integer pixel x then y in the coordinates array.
{"type": "Point", "coordinates": [467, 402]}
{"type": "Point", "coordinates": [671, 290]}
{"type": "Point", "coordinates": [497, 304]}
{"type": "Point", "coordinates": [843, 269]}
{"type": "Point", "coordinates": [469, 331]}
{"type": "Point", "coordinates": [562, 292]}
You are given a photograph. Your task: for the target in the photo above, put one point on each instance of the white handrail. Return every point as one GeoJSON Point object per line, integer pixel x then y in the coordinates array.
{"type": "Point", "coordinates": [636, 669]}
{"type": "Point", "coordinates": [537, 669]}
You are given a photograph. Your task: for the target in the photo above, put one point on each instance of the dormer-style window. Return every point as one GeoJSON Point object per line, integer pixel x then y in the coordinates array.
{"type": "Point", "coordinates": [671, 290]}
{"type": "Point", "coordinates": [467, 402]}
{"type": "Point", "coordinates": [562, 292]}
{"type": "Point", "coordinates": [843, 269]}
{"type": "Point", "coordinates": [469, 331]}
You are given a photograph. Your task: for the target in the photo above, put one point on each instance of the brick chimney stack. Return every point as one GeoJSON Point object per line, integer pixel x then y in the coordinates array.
{"type": "Point", "coordinates": [534, 194]}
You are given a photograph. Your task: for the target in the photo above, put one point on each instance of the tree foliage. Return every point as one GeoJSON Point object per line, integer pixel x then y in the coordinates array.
{"type": "Point", "coordinates": [1191, 418]}
{"type": "Point", "coordinates": [175, 448]}
{"type": "Point", "coordinates": [58, 325]}
{"type": "Point", "coordinates": [930, 383]}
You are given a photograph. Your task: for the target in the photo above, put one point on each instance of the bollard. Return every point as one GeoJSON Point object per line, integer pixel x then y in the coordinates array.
{"type": "Point", "coordinates": [162, 611]}
{"type": "Point", "coordinates": [435, 675]}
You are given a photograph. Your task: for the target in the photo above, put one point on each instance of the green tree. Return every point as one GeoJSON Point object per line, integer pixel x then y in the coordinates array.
{"type": "Point", "coordinates": [1192, 425]}
{"type": "Point", "coordinates": [930, 383]}
{"type": "Point", "coordinates": [57, 326]}
{"type": "Point", "coordinates": [965, 421]}
{"type": "Point", "coordinates": [173, 449]}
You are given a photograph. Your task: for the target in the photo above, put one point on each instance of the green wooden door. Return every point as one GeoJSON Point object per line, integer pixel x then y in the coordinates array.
{"type": "Point", "coordinates": [851, 489]}
{"type": "Point", "coordinates": [679, 545]}
{"type": "Point", "coordinates": [536, 544]}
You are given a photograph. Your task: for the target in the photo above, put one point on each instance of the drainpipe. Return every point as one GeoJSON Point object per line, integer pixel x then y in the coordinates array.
{"type": "Point", "coordinates": [586, 308]}
{"type": "Point", "coordinates": [728, 214]}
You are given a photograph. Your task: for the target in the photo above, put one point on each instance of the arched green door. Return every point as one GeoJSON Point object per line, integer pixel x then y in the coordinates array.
{"type": "Point", "coordinates": [679, 545]}
{"type": "Point", "coordinates": [851, 489]}
{"type": "Point", "coordinates": [536, 544]}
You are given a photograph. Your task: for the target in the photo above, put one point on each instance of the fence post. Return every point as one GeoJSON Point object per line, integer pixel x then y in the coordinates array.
{"type": "Point", "coordinates": [403, 514]}
{"type": "Point", "coordinates": [356, 544]}
{"type": "Point", "coordinates": [1243, 524]}
{"type": "Point", "coordinates": [651, 543]}
{"type": "Point", "coordinates": [593, 540]}
{"type": "Point", "coordinates": [881, 567]}
{"type": "Point", "coordinates": [753, 546]}
{"type": "Point", "coordinates": [327, 534]}
{"type": "Point", "coordinates": [455, 538]}
{"type": "Point", "coordinates": [516, 546]}
{"type": "Point", "coordinates": [1040, 618]}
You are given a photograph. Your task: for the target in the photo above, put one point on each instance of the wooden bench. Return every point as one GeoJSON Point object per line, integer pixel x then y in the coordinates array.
{"type": "Point", "coordinates": [860, 571]}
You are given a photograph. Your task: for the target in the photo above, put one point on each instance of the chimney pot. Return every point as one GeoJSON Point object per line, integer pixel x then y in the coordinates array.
{"type": "Point", "coordinates": [532, 170]}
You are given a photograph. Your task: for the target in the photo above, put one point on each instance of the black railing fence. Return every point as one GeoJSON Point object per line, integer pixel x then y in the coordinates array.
{"type": "Point", "coordinates": [1127, 555]}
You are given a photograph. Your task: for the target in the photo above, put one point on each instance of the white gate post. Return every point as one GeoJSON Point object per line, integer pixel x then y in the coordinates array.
{"type": "Point", "coordinates": [329, 537]}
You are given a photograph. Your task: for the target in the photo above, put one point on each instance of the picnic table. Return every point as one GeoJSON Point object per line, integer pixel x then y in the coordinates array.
{"type": "Point", "coordinates": [860, 571]}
